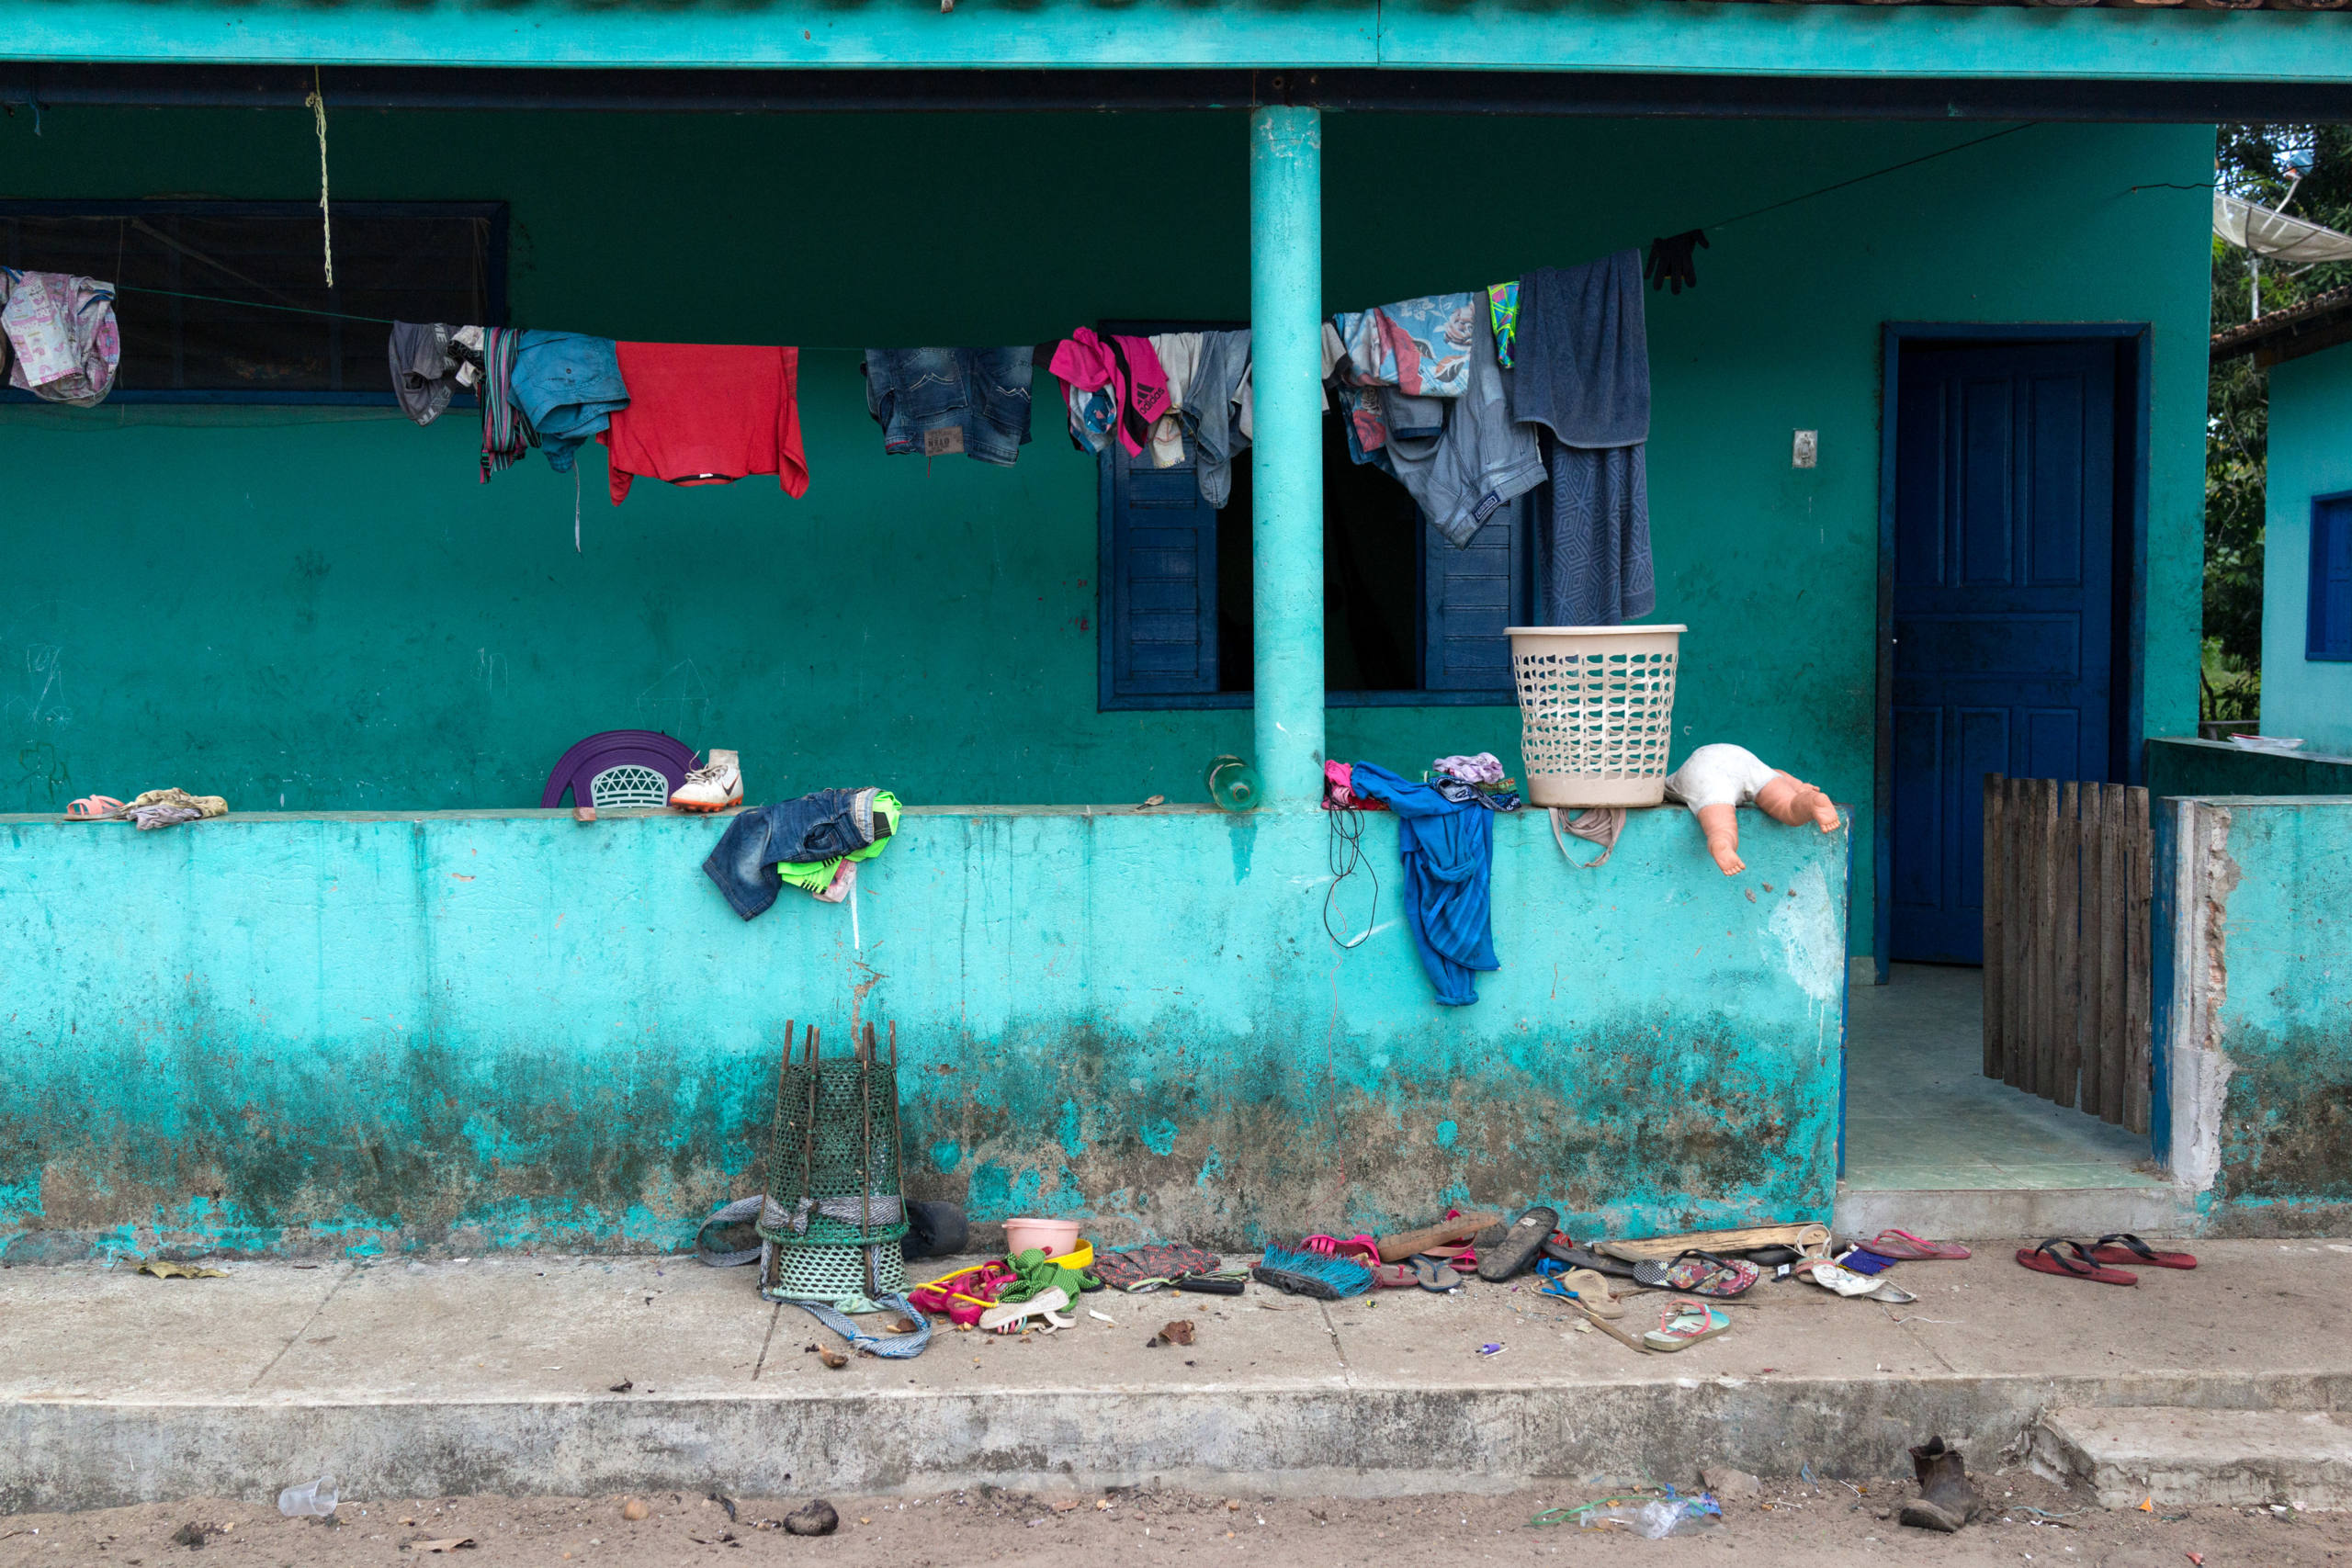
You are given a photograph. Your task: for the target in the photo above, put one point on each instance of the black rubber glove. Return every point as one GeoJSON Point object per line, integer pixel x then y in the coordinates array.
{"type": "Point", "coordinates": [1672, 259]}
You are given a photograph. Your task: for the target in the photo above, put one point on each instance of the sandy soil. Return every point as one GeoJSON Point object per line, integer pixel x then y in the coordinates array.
{"type": "Point", "coordinates": [1820, 1526]}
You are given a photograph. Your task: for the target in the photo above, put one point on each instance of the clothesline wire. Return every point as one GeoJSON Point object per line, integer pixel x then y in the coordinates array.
{"type": "Point", "coordinates": [845, 348]}
{"type": "Point", "coordinates": [1874, 174]}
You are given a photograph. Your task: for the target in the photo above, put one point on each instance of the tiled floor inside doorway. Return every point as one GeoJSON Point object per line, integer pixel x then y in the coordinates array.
{"type": "Point", "coordinates": [1921, 1115]}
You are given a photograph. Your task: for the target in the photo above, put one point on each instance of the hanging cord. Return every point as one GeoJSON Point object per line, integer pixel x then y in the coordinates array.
{"type": "Point", "coordinates": [317, 104]}
{"type": "Point", "coordinates": [1347, 859]}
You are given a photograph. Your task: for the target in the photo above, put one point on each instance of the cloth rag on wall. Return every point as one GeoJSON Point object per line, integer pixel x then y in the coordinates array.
{"type": "Point", "coordinates": [67, 344]}
{"type": "Point", "coordinates": [1480, 458]}
{"type": "Point", "coordinates": [569, 386]}
{"type": "Point", "coordinates": [828, 824]}
{"type": "Point", "coordinates": [1598, 825]}
{"type": "Point", "coordinates": [505, 434]}
{"type": "Point", "coordinates": [707, 414]}
{"type": "Point", "coordinates": [1581, 371]}
{"type": "Point", "coordinates": [424, 370]}
{"type": "Point", "coordinates": [1448, 849]}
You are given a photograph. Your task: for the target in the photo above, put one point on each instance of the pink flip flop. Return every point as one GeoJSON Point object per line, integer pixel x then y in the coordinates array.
{"type": "Point", "coordinates": [92, 808]}
{"type": "Point", "coordinates": [1908, 1248]}
{"type": "Point", "coordinates": [1333, 1246]}
{"type": "Point", "coordinates": [2050, 1258]}
{"type": "Point", "coordinates": [2134, 1253]}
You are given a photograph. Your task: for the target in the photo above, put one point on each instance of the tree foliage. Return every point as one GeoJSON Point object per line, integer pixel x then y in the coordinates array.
{"type": "Point", "coordinates": [2260, 164]}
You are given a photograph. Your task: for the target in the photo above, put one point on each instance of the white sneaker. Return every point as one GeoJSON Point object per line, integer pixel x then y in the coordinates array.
{"type": "Point", "coordinates": [712, 787]}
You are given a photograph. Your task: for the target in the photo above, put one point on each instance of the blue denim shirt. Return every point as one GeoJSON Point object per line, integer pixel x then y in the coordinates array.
{"type": "Point", "coordinates": [569, 387]}
{"type": "Point", "coordinates": [938, 401]}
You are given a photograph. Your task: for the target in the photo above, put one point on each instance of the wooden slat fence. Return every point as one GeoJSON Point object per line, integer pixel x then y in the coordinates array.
{"type": "Point", "coordinates": [2068, 875]}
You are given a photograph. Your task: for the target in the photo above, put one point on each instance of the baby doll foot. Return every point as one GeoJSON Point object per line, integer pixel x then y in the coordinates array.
{"type": "Point", "coordinates": [1824, 811]}
{"type": "Point", "coordinates": [1728, 858]}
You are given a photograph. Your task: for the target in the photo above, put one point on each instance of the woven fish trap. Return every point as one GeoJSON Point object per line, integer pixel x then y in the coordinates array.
{"type": "Point", "coordinates": [833, 1163]}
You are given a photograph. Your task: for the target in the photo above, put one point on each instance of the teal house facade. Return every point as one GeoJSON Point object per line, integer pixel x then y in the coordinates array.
{"type": "Point", "coordinates": [390, 1001]}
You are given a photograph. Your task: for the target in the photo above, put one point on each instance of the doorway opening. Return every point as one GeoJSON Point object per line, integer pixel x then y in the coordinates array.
{"type": "Point", "coordinates": [2012, 498]}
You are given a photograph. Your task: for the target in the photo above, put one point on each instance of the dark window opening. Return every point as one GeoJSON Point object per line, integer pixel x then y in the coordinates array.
{"type": "Point", "coordinates": [1373, 549]}
{"type": "Point", "coordinates": [267, 329]}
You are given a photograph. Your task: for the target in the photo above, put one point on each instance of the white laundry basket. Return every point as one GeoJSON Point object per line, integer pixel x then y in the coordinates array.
{"type": "Point", "coordinates": [1596, 708]}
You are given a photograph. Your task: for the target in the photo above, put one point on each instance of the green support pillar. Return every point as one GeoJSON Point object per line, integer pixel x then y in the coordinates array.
{"type": "Point", "coordinates": [1286, 349]}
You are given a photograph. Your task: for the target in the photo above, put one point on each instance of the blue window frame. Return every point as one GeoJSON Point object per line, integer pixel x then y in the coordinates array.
{"type": "Point", "coordinates": [227, 301]}
{"type": "Point", "coordinates": [2327, 632]}
{"type": "Point", "coordinates": [1410, 620]}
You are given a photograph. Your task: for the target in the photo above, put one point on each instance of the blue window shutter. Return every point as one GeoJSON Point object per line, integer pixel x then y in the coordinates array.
{"type": "Point", "coordinates": [1161, 632]}
{"type": "Point", "coordinates": [1470, 595]}
{"type": "Point", "coordinates": [2328, 631]}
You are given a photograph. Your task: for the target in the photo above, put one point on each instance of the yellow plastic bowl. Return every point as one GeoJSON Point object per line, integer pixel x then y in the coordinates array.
{"type": "Point", "coordinates": [1081, 1259]}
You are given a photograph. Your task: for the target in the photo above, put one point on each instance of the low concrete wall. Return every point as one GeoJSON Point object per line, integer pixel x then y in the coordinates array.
{"type": "Point", "coordinates": [2182, 765]}
{"type": "Point", "coordinates": [2254, 1010]}
{"type": "Point", "coordinates": [481, 1030]}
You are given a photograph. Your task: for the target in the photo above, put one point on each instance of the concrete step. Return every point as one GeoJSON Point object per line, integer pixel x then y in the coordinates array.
{"type": "Point", "coordinates": [2183, 1456]}
{"type": "Point", "coordinates": [1971, 1213]}
{"type": "Point", "coordinates": [586, 1375]}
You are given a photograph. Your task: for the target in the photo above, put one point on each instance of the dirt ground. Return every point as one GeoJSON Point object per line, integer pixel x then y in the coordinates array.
{"type": "Point", "coordinates": [1819, 1525]}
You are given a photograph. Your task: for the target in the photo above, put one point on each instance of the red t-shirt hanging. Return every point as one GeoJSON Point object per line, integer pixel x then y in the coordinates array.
{"type": "Point", "coordinates": [706, 413]}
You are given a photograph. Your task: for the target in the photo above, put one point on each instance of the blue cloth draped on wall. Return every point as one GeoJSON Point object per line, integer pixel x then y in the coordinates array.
{"type": "Point", "coordinates": [1449, 856]}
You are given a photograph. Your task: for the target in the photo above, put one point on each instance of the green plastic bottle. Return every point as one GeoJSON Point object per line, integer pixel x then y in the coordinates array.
{"type": "Point", "coordinates": [1233, 784]}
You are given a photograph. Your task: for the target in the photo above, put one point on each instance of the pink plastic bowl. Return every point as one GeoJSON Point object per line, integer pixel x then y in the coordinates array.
{"type": "Point", "coordinates": [1056, 1236]}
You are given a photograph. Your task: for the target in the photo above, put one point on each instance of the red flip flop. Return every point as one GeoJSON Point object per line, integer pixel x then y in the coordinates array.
{"type": "Point", "coordinates": [2133, 1250]}
{"type": "Point", "coordinates": [2049, 1258]}
{"type": "Point", "coordinates": [1911, 1248]}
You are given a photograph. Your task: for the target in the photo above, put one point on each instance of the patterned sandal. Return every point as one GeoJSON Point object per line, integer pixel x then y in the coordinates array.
{"type": "Point", "coordinates": [1684, 1323]}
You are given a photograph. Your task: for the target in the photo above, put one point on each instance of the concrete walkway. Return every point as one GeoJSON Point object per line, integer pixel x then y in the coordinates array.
{"type": "Point", "coordinates": [500, 1376]}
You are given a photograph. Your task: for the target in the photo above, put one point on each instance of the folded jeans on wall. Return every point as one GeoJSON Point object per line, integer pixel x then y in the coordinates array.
{"type": "Point", "coordinates": [825, 825]}
{"type": "Point", "coordinates": [939, 402]}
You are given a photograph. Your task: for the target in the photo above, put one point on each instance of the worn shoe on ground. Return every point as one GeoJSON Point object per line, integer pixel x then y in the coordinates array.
{"type": "Point", "coordinates": [1506, 1250]}
{"type": "Point", "coordinates": [715, 787]}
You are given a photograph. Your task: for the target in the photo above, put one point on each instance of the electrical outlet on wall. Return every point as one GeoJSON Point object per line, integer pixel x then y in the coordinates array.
{"type": "Point", "coordinates": [1806, 451]}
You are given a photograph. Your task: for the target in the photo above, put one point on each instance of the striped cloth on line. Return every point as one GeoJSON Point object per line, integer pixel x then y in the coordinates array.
{"type": "Point", "coordinates": [507, 434]}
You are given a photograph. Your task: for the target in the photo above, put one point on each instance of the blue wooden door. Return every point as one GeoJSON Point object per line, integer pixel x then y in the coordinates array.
{"type": "Point", "coordinates": [2003, 608]}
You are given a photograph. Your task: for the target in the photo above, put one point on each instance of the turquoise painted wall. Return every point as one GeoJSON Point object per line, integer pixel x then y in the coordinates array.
{"type": "Point", "coordinates": [2311, 453]}
{"type": "Point", "coordinates": [2261, 1052]}
{"type": "Point", "coordinates": [326, 612]}
{"type": "Point", "coordinates": [495, 1030]}
{"type": "Point", "coordinates": [1996, 41]}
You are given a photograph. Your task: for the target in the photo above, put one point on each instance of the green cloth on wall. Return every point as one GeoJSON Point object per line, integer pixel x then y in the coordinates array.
{"type": "Point", "coordinates": [816, 875]}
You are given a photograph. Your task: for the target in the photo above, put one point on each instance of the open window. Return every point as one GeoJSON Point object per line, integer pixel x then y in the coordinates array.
{"type": "Point", "coordinates": [1408, 618]}
{"type": "Point", "coordinates": [227, 301]}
